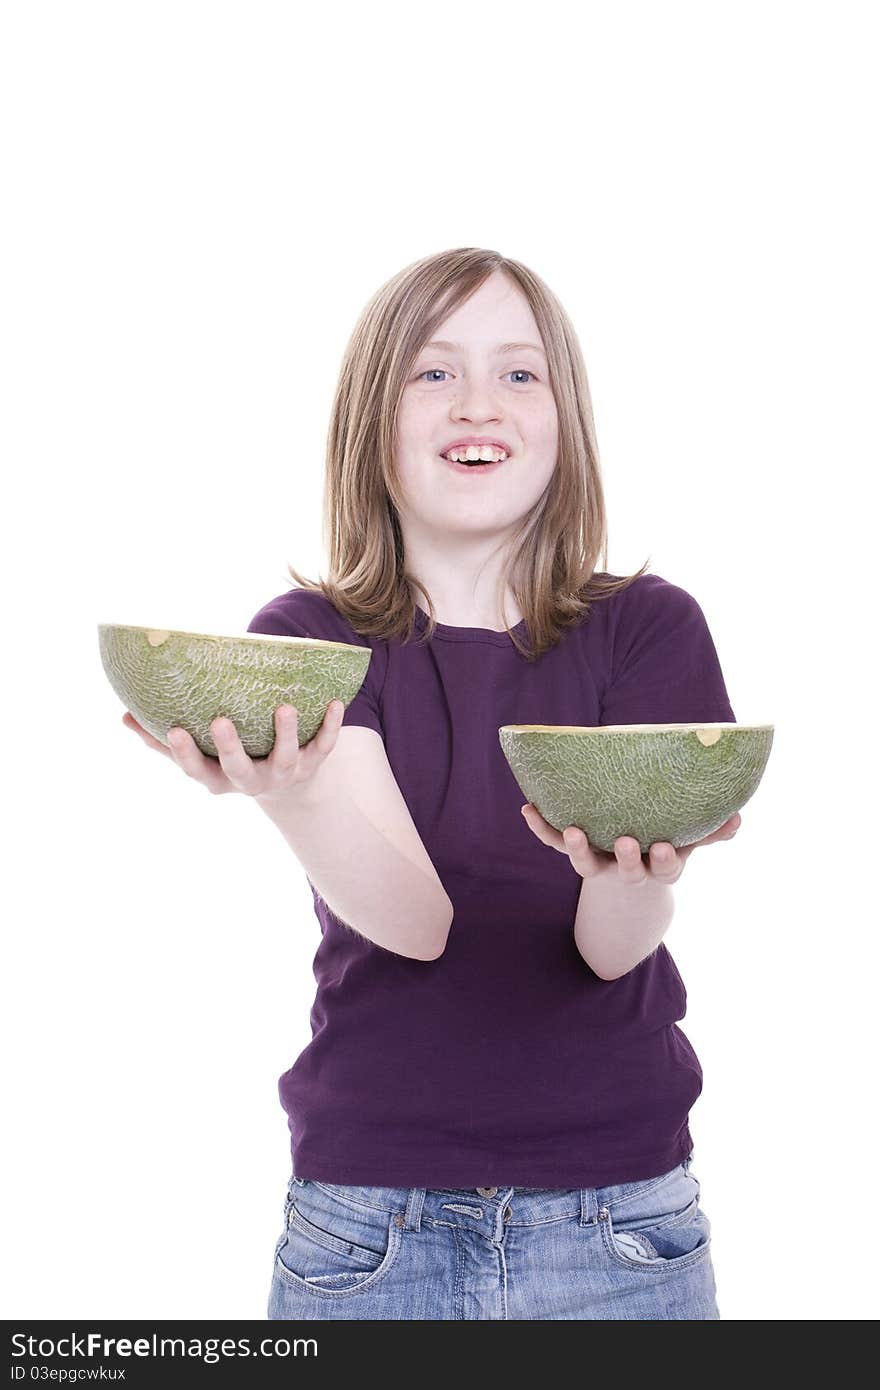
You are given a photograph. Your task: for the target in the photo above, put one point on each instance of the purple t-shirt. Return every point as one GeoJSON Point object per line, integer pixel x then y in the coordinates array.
{"type": "Point", "coordinates": [506, 1061]}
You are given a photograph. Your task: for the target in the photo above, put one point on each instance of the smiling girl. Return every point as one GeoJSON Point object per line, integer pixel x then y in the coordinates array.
{"type": "Point", "coordinates": [491, 1118]}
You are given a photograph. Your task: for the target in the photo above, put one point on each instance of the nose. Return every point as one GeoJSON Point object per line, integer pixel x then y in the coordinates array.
{"type": "Point", "coordinates": [475, 400]}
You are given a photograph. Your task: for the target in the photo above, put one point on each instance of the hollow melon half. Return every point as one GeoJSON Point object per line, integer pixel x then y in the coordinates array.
{"type": "Point", "coordinates": [655, 782]}
{"type": "Point", "coordinates": [170, 679]}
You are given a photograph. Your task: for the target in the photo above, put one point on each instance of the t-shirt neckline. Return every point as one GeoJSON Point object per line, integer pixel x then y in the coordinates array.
{"type": "Point", "coordinates": [449, 633]}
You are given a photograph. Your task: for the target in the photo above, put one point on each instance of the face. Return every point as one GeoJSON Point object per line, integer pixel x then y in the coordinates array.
{"type": "Point", "coordinates": [477, 388]}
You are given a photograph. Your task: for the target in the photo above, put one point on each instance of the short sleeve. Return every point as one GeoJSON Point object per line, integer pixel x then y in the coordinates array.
{"type": "Point", "coordinates": [307, 613]}
{"type": "Point", "coordinates": [664, 666]}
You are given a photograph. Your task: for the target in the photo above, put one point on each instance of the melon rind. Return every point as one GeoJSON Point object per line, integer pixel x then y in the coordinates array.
{"type": "Point", "coordinates": [673, 783]}
{"type": "Point", "coordinates": [170, 679]}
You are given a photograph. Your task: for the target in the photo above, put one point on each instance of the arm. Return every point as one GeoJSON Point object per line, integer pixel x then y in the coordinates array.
{"type": "Point", "coordinates": [618, 924]}
{"type": "Point", "coordinates": [348, 824]}
{"type": "Point", "coordinates": [351, 830]}
{"type": "Point", "coordinates": [665, 670]}
{"type": "Point", "coordinates": [624, 905]}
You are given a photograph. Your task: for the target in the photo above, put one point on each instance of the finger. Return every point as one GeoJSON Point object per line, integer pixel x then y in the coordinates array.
{"type": "Point", "coordinates": [232, 757]}
{"type": "Point", "coordinates": [571, 841]}
{"type": "Point", "coordinates": [724, 832]}
{"type": "Point", "coordinates": [324, 740]}
{"type": "Point", "coordinates": [130, 722]}
{"type": "Point", "coordinates": [664, 862]}
{"type": "Point", "coordinates": [285, 750]}
{"type": "Point", "coordinates": [583, 857]}
{"type": "Point", "coordinates": [628, 853]}
{"type": "Point", "coordinates": [546, 833]}
{"type": "Point", "coordinates": [325, 737]}
{"type": "Point", "coordinates": [189, 756]}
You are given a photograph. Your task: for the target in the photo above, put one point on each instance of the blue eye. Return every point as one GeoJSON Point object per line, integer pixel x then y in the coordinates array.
{"type": "Point", "coordinates": [515, 371]}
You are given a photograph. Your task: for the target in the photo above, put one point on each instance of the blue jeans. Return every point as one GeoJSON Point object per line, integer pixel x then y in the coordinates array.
{"type": "Point", "coordinates": [634, 1250]}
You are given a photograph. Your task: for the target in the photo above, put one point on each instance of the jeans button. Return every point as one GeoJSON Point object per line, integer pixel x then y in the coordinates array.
{"type": "Point", "coordinates": [488, 1191]}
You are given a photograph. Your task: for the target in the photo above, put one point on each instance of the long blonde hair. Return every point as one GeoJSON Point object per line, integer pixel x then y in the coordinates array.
{"type": "Point", "coordinates": [553, 575]}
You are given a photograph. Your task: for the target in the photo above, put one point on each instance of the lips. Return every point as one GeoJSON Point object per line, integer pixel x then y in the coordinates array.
{"type": "Point", "coordinates": [476, 467]}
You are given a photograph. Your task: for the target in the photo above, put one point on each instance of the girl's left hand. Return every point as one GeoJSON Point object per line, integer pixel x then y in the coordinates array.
{"type": "Point", "coordinates": [665, 862]}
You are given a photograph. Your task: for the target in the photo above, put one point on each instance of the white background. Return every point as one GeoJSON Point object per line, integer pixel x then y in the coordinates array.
{"type": "Point", "coordinates": [199, 199]}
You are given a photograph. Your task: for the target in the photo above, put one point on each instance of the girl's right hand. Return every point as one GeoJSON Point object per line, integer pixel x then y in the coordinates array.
{"type": "Point", "coordinates": [286, 767]}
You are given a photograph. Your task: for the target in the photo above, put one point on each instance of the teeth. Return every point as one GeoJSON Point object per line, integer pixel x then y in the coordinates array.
{"type": "Point", "coordinates": [486, 454]}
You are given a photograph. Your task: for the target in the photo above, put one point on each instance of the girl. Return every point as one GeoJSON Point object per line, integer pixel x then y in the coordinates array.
{"type": "Point", "coordinates": [491, 1119]}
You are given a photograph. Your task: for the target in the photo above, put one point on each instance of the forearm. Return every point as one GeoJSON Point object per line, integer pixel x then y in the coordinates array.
{"type": "Point", "coordinates": [364, 879]}
{"type": "Point", "coordinates": [619, 924]}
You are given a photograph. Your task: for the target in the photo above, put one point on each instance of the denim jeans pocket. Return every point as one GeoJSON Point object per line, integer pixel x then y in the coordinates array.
{"type": "Point", "coordinates": [654, 1225]}
{"type": "Point", "coordinates": [332, 1248]}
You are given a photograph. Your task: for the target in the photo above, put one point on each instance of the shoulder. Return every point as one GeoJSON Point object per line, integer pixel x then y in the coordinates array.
{"type": "Point", "coordinates": [305, 613]}
{"type": "Point", "coordinates": [664, 667]}
{"type": "Point", "coordinates": [651, 598]}
{"type": "Point", "coordinates": [652, 591]}
{"type": "Point", "coordinates": [653, 614]}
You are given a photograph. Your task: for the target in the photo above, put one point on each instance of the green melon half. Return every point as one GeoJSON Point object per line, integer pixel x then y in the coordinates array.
{"type": "Point", "coordinates": [171, 679]}
{"type": "Point", "coordinates": [655, 782]}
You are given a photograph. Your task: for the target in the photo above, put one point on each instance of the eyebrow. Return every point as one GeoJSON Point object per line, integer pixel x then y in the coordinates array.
{"type": "Point", "coordinates": [500, 347]}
